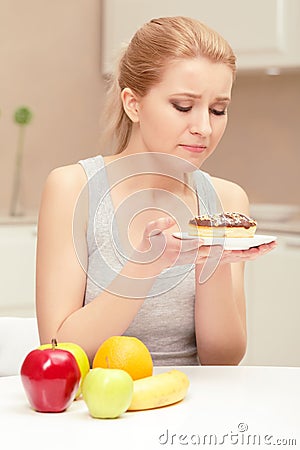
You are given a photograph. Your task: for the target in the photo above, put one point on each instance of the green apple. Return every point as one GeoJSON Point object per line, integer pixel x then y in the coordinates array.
{"type": "Point", "coordinates": [80, 356]}
{"type": "Point", "coordinates": [107, 392]}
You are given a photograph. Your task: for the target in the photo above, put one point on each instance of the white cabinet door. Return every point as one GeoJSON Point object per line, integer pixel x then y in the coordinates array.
{"type": "Point", "coordinates": [273, 306]}
{"type": "Point", "coordinates": [262, 33]}
{"type": "Point", "coordinates": [17, 267]}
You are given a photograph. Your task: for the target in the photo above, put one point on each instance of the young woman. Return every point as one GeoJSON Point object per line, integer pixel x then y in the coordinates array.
{"type": "Point", "coordinates": [107, 261]}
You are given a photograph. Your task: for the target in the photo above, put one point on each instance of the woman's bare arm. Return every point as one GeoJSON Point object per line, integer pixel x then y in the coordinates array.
{"type": "Point", "coordinates": [61, 277]}
{"type": "Point", "coordinates": [61, 272]}
{"type": "Point", "coordinates": [220, 312]}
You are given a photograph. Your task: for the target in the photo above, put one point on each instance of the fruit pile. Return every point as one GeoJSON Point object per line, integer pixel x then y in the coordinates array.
{"type": "Point", "coordinates": [121, 378]}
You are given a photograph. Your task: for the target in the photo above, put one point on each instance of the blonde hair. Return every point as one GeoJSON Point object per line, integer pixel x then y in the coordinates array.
{"type": "Point", "coordinates": [142, 63]}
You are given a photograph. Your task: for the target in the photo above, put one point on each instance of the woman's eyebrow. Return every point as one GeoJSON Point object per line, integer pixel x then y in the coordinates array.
{"type": "Point", "coordinates": [223, 99]}
{"type": "Point", "coordinates": [220, 98]}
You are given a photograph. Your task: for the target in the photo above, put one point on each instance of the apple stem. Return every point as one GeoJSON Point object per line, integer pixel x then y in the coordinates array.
{"type": "Point", "coordinates": [54, 343]}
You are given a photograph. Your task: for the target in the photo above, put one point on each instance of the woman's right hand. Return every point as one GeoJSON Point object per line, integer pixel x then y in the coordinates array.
{"type": "Point", "coordinates": [161, 250]}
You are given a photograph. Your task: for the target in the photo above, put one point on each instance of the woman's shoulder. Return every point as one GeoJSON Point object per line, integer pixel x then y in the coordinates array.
{"type": "Point", "coordinates": [62, 190]}
{"type": "Point", "coordinates": [233, 197]}
{"type": "Point", "coordinates": [70, 177]}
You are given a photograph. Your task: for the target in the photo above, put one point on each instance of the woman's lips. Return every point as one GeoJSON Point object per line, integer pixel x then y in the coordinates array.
{"type": "Point", "coordinates": [194, 148]}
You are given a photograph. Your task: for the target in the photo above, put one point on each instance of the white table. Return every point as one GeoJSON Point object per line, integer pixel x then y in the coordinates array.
{"type": "Point", "coordinates": [226, 407]}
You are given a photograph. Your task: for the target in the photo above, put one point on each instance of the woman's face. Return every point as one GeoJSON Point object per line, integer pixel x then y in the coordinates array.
{"type": "Point", "coordinates": [185, 115]}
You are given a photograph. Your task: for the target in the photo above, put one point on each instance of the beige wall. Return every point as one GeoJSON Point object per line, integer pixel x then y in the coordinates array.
{"type": "Point", "coordinates": [261, 147]}
{"type": "Point", "coordinates": [50, 59]}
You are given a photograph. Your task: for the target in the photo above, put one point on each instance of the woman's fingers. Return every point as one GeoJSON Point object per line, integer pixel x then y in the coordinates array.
{"type": "Point", "coordinates": [157, 226]}
{"type": "Point", "coordinates": [232, 256]}
{"type": "Point", "coordinates": [191, 245]}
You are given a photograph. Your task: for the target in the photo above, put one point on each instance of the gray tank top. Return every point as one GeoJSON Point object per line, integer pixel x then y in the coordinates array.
{"type": "Point", "coordinates": [165, 321]}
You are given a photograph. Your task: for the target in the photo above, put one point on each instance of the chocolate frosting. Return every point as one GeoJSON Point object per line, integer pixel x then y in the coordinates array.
{"type": "Point", "coordinates": [227, 219]}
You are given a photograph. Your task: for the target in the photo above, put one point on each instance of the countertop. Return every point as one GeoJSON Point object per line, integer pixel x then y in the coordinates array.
{"type": "Point", "coordinates": [276, 218]}
{"type": "Point", "coordinates": [291, 226]}
{"type": "Point", "coordinates": [226, 406]}
{"type": "Point", "coordinates": [19, 220]}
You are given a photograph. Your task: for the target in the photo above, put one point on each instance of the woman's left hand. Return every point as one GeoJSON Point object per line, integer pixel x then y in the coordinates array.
{"type": "Point", "coordinates": [232, 256]}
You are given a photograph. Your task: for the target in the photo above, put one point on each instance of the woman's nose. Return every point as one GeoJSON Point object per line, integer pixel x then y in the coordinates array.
{"type": "Point", "coordinates": [201, 125]}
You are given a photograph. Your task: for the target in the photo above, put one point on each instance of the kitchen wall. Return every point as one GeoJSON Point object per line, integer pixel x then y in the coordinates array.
{"type": "Point", "coordinates": [261, 146]}
{"type": "Point", "coordinates": [50, 58]}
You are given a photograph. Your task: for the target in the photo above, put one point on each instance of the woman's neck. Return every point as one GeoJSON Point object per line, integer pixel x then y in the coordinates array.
{"type": "Point", "coordinates": [146, 170]}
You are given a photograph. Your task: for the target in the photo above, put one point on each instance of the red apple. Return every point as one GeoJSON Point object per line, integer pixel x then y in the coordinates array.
{"type": "Point", "coordinates": [50, 378]}
{"type": "Point", "coordinates": [80, 356]}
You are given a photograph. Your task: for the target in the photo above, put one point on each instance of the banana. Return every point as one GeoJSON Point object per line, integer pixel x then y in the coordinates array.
{"type": "Point", "coordinates": [159, 390]}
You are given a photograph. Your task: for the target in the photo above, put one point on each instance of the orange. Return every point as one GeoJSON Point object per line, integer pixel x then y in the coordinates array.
{"type": "Point", "coordinates": [127, 353]}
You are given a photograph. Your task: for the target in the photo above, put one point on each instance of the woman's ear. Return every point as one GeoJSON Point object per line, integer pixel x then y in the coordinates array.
{"type": "Point", "coordinates": [130, 104]}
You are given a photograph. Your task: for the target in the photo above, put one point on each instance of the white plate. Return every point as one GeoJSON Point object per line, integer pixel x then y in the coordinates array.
{"type": "Point", "coordinates": [231, 243]}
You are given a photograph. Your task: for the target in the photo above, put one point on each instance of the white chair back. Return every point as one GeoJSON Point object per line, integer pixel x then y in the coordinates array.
{"type": "Point", "coordinates": [18, 336]}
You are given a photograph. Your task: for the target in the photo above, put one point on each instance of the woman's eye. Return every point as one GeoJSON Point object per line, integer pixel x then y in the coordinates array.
{"type": "Point", "coordinates": [181, 108]}
{"type": "Point", "coordinates": [218, 112]}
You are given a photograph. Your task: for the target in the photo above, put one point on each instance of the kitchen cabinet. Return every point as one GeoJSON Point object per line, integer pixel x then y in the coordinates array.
{"type": "Point", "coordinates": [17, 265]}
{"type": "Point", "coordinates": [264, 34]}
{"type": "Point", "coordinates": [273, 305]}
